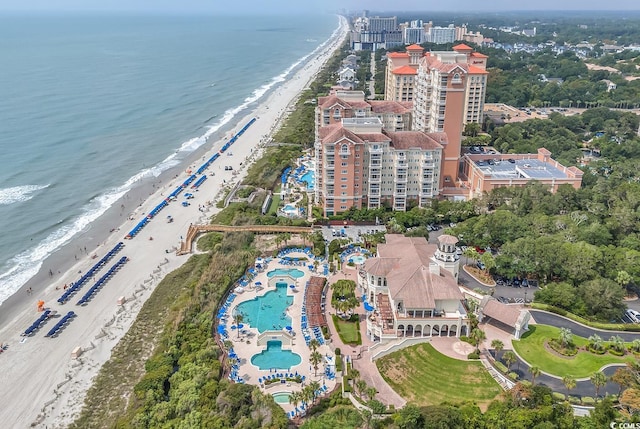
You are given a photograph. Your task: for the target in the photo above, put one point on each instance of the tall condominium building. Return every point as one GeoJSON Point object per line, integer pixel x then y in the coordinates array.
{"type": "Point", "coordinates": [441, 35]}
{"type": "Point", "coordinates": [413, 35]}
{"type": "Point", "coordinates": [401, 72]}
{"type": "Point", "coordinates": [363, 166]}
{"type": "Point", "coordinates": [375, 33]}
{"type": "Point", "coordinates": [378, 25]}
{"type": "Point", "coordinates": [450, 91]}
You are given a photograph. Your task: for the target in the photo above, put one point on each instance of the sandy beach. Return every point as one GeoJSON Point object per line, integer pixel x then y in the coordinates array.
{"type": "Point", "coordinates": [42, 386]}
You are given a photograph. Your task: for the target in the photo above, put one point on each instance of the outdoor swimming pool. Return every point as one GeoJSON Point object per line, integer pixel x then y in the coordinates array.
{"type": "Point", "coordinates": [293, 272]}
{"type": "Point", "coordinates": [281, 397]}
{"type": "Point", "coordinates": [291, 209]}
{"type": "Point", "coordinates": [309, 178]}
{"type": "Point", "coordinates": [267, 312]}
{"type": "Point", "coordinates": [357, 259]}
{"type": "Point", "coordinates": [275, 357]}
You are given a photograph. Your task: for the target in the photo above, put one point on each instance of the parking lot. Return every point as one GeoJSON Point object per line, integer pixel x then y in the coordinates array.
{"type": "Point", "coordinates": [352, 232]}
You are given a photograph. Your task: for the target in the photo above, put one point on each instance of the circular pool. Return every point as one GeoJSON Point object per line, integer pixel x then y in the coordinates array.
{"type": "Point", "coordinates": [281, 397]}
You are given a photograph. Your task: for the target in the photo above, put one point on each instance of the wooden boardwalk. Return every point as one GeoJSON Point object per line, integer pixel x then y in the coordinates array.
{"type": "Point", "coordinates": [195, 230]}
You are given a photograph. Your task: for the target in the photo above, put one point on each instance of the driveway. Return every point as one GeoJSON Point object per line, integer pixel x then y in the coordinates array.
{"type": "Point", "coordinates": [546, 318]}
{"type": "Point", "coordinates": [584, 387]}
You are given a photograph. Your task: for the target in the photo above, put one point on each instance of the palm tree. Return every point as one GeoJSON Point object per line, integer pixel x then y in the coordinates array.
{"type": "Point", "coordinates": [471, 252]}
{"type": "Point", "coordinates": [237, 319]}
{"type": "Point", "coordinates": [305, 236]}
{"type": "Point", "coordinates": [478, 337]}
{"type": "Point", "coordinates": [314, 344]}
{"type": "Point", "coordinates": [314, 387]}
{"type": "Point", "coordinates": [635, 345]}
{"type": "Point", "coordinates": [569, 382]}
{"type": "Point", "coordinates": [595, 342]}
{"type": "Point", "coordinates": [307, 394]}
{"type": "Point", "coordinates": [535, 371]}
{"type": "Point", "coordinates": [315, 360]}
{"type": "Point", "coordinates": [286, 236]}
{"type": "Point", "coordinates": [509, 358]}
{"type": "Point", "coordinates": [566, 337]}
{"type": "Point", "coordinates": [354, 374]}
{"type": "Point", "coordinates": [294, 399]}
{"type": "Point", "coordinates": [360, 386]}
{"type": "Point", "coordinates": [617, 343]}
{"type": "Point", "coordinates": [598, 379]}
{"type": "Point", "coordinates": [498, 346]}
{"type": "Point", "coordinates": [371, 392]}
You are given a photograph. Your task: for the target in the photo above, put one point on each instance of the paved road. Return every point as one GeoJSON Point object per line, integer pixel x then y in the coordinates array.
{"type": "Point", "coordinates": [544, 318]}
{"type": "Point", "coordinates": [583, 387]}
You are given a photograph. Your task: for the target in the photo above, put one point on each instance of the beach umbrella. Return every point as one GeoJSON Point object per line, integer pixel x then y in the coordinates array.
{"type": "Point", "coordinates": [240, 326]}
{"type": "Point", "coordinates": [258, 283]}
{"type": "Point", "coordinates": [368, 307]}
{"type": "Point", "coordinates": [292, 286]}
{"type": "Point", "coordinates": [233, 326]}
{"type": "Point", "coordinates": [221, 329]}
{"type": "Point", "coordinates": [288, 328]}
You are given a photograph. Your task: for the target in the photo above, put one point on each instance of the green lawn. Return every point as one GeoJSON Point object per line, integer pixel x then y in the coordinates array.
{"type": "Point", "coordinates": [532, 349]}
{"type": "Point", "coordinates": [348, 331]}
{"type": "Point", "coordinates": [423, 376]}
{"type": "Point", "coordinates": [275, 202]}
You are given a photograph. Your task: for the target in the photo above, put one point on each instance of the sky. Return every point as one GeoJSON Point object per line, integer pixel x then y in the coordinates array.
{"type": "Point", "coordinates": [300, 6]}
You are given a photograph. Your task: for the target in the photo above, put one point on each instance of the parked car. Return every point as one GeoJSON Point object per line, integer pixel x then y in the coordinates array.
{"type": "Point", "coordinates": [633, 315]}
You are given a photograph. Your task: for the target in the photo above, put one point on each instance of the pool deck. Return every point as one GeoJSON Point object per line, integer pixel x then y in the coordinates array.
{"type": "Point", "coordinates": [245, 344]}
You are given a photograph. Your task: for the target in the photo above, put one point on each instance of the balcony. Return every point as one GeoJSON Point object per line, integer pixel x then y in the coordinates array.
{"type": "Point", "coordinates": [400, 193]}
{"type": "Point", "coordinates": [378, 151]}
{"type": "Point", "coordinates": [401, 179]}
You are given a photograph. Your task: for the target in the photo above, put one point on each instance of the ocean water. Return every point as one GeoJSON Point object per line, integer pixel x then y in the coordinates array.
{"type": "Point", "coordinates": [90, 105]}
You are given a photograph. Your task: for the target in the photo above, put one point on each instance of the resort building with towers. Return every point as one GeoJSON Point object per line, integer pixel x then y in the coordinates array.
{"type": "Point", "coordinates": [412, 288]}
{"type": "Point", "coordinates": [406, 150]}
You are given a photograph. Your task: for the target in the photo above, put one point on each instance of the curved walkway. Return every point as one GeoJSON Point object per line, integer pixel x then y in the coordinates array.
{"type": "Point", "coordinates": [360, 354]}
{"type": "Point", "coordinates": [195, 230]}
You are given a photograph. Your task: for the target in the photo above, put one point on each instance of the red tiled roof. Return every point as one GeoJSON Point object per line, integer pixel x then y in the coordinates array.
{"type": "Point", "coordinates": [462, 47]}
{"type": "Point", "coordinates": [387, 106]}
{"type": "Point", "coordinates": [478, 55]}
{"type": "Point", "coordinates": [397, 55]}
{"type": "Point", "coordinates": [477, 70]}
{"type": "Point", "coordinates": [404, 70]}
{"type": "Point", "coordinates": [415, 47]}
{"type": "Point", "coordinates": [412, 139]}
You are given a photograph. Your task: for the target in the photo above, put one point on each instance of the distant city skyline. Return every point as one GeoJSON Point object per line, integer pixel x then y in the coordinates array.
{"type": "Point", "coordinates": [297, 6]}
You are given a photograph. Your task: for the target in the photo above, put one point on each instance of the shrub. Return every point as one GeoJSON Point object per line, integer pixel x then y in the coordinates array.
{"type": "Point", "coordinates": [588, 400]}
{"type": "Point", "coordinates": [473, 355]}
{"type": "Point", "coordinates": [337, 351]}
{"type": "Point", "coordinates": [616, 352]}
{"type": "Point", "coordinates": [500, 367]}
{"type": "Point", "coordinates": [597, 351]}
{"type": "Point", "coordinates": [574, 400]}
{"type": "Point", "coordinates": [525, 383]}
{"type": "Point", "coordinates": [558, 396]}
{"type": "Point", "coordinates": [513, 375]}
{"type": "Point", "coordinates": [570, 350]}
{"type": "Point", "coordinates": [466, 339]}
{"type": "Point", "coordinates": [345, 384]}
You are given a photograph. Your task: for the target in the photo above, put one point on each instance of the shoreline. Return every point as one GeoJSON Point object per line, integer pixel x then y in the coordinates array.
{"type": "Point", "coordinates": [53, 385]}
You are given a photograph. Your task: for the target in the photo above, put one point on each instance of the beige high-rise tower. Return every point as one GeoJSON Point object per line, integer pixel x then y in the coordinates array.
{"type": "Point", "coordinates": [449, 92]}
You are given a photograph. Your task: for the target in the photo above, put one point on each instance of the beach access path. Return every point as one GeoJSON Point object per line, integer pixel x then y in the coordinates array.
{"type": "Point", "coordinates": [42, 386]}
